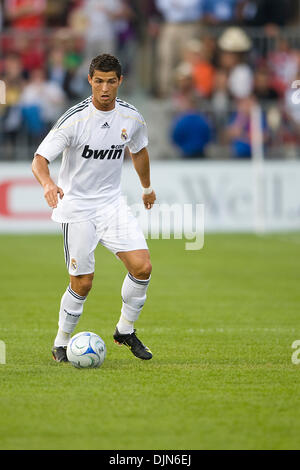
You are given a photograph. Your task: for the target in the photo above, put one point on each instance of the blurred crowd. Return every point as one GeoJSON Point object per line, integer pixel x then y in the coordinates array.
{"type": "Point", "coordinates": [211, 63]}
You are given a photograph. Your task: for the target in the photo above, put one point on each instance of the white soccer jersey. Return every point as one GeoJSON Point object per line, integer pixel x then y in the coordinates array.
{"type": "Point", "coordinates": [93, 144]}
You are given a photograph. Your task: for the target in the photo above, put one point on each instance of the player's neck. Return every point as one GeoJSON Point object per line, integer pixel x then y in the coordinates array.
{"type": "Point", "coordinates": [104, 107]}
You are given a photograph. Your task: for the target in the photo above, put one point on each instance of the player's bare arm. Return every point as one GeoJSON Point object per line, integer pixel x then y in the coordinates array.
{"type": "Point", "coordinates": [141, 164]}
{"type": "Point", "coordinates": [40, 170]}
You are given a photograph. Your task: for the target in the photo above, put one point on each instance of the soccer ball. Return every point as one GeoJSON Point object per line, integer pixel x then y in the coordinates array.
{"type": "Point", "coordinates": [86, 350]}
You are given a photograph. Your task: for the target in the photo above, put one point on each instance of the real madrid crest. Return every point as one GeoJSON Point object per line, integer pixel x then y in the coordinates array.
{"type": "Point", "coordinates": [74, 264]}
{"type": "Point", "coordinates": [124, 135]}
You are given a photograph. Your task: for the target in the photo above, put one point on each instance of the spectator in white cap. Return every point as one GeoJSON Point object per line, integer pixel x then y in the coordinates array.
{"type": "Point", "coordinates": [234, 46]}
{"type": "Point", "coordinates": [234, 39]}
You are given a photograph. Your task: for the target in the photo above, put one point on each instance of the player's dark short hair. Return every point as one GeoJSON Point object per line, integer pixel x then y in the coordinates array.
{"type": "Point", "coordinates": [106, 63]}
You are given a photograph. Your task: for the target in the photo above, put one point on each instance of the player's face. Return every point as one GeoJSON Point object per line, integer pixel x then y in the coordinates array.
{"type": "Point", "coordinates": [104, 88]}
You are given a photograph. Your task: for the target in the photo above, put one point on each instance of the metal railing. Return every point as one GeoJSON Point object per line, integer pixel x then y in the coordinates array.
{"type": "Point", "coordinates": [283, 137]}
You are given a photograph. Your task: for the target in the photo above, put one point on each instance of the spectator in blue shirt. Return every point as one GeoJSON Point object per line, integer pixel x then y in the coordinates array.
{"type": "Point", "coordinates": [238, 131]}
{"type": "Point", "coordinates": [191, 132]}
{"type": "Point", "coordinates": [220, 11]}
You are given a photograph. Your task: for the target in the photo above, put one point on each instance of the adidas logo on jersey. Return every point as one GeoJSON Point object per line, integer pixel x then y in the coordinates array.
{"type": "Point", "coordinates": [105, 126]}
{"type": "Point", "coordinates": [113, 153]}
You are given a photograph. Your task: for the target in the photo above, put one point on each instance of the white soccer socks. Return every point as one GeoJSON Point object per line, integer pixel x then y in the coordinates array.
{"type": "Point", "coordinates": [133, 297]}
{"type": "Point", "coordinates": [71, 308]}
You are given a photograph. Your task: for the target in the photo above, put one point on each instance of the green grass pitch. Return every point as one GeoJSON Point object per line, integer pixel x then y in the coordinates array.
{"type": "Point", "coordinates": [220, 322]}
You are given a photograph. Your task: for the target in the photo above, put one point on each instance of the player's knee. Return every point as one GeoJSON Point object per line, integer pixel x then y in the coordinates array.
{"type": "Point", "coordinates": [82, 284]}
{"type": "Point", "coordinates": [143, 270]}
{"type": "Point", "coordinates": [86, 285]}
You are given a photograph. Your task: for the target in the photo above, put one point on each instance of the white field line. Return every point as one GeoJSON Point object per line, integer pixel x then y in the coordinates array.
{"type": "Point", "coordinates": [164, 330]}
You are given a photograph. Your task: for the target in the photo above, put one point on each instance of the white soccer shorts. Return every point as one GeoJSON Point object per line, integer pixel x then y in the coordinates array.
{"type": "Point", "coordinates": [118, 231]}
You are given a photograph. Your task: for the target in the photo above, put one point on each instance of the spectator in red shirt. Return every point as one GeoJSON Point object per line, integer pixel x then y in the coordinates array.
{"type": "Point", "coordinates": [31, 52]}
{"type": "Point", "coordinates": [25, 14]}
{"type": "Point", "coordinates": [283, 64]}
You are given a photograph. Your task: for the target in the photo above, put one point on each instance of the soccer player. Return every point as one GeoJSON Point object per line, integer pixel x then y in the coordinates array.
{"type": "Point", "coordinates": [87, 200]}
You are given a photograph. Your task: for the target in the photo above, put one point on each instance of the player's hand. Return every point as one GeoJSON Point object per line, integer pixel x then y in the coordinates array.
{"type": "Point", "coordinates": [51, 191]}
{"type": "Point", "coordinates": [149, 199]}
